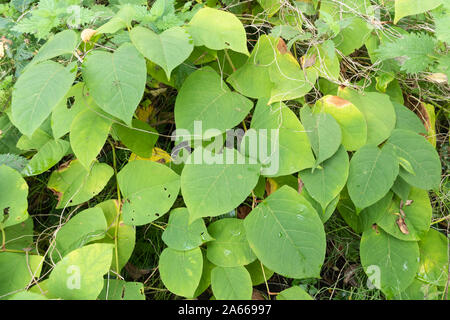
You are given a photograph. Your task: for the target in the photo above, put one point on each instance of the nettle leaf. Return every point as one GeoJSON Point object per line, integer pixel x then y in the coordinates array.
{"type": "Point", "coordinates": [416, 217]}
{"type": "Point", "coordinates": [377, 109]}
{"type": "Point", "coordinates": [433, 266]}
{"type": "Point", "coordinates": [287, 235]}
{"type": "Point", "coordinates": [64, 42]}
{"type": "Point", "coordinates": [17, 270]}
{"type": "Point", "coordinates": [278, 131]}
{"type": "Point", "coordinates": [405, 8]}
{"type": "Point", "coordinates": [115, 289]}
{"type": "Point", "coordinates": [47, 156]}
{"type": "Point", "coordinates": [420, 154]}
{"type": "Point", "coordinates": [149, 190]}
{"type": "Point", "coordinates": [205, 97]}
{"type": "Point", "coordinates": [182, 235]}
{"type": "Point", "coordinates": [326, 182]}
{"type": "Point", "coordinates": [227, 32]}
{"type": "Point", "coordinates": [391, 264]}
{"type": "Point", "coordinates": [294, 293]}
{"type": "Point", "coordinates": [87, 226]}
{"type": "Point", "coordinates": [230, 247]}
{"type": "Point", "coordinates": [126, 235]}
{"type": "Point", "coordinates": [79, 275]}
{"type": "Point", "coordinates": [13, 197]}
{"type": "Point", "coordinates": [181, 271]}
{"type": "Point", "coordinates": [168, 49]}
{"type": "Point", "coordinates": [33, 101]}
{"type": "Point", "coordinates": [88, 133]}
{"type": "Point", "coordinates": [76, 100]}
{"type": "Point", "coordinates": [349, 117]}
{"type": "Point", "coordinates": [323, 132]}
{"type": "Point", "coordinates": [407, 119]}
{"type": "Point", "coordinates": [140, 138]}
{"type": "Point", "coordinates": [116, 80]}
{"type": "Point", "coordinates": [215, 185]}
{"type": "Point", "coordinates": [73, 184]}
{"type": "Point", "coordinates": [231, 283]}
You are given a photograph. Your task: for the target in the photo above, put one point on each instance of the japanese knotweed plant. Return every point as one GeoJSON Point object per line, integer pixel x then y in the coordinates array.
{"type": "Point", "coordinates": [362, 153]}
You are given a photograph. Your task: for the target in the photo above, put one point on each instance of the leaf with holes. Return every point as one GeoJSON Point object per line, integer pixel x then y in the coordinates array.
{"type": "Point", "coordinates": [13, 197]}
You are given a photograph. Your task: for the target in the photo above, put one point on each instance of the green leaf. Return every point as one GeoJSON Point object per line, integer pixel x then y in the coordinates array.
{"type": "Point", "coordinates": [88, 134]}
{"type": "Point", "coordinates": [180, 235]}
{"type": "Point", "coordinates": [125, 235]}
{"type": "Point", "coordinates": [79, 275]}
{"type": "Point", "coordinates": [372, 173]}
{"type": "Point", "coordinates": [232, 283]}
{"type": "Point", "coordinates": [420, 154]}
{"type": "Point", "coordinates": [433, 266]}
{"type": "Point", "coordinates": [278, 131]}
{"type": "Point", "coordinates": [258, 275]}
{"type": "Point", "coordinates": [168, 49]}
{"type": "Point", "coordinates": [401, 188]}
{"type": "Point", "coordinates": [121, 20]}
{"type": "Point", "coordinates": [33, 100]}
{"type": "Point", "coordinates": [181, 271]}
{"type": "Point", "coordinates": [227, 32]}
{"type": "Point", "coordinates": [214, 188]}
{"type": "Point", "coordinates": [9, 136]}
{"type": "Point", "coordinates": [13, 197]}
{"type": "Point", "coordinates": [230, 247]}
{"type": "Point", "coordinates": [37, 140]}
{"type": "Point", "coordinates": [115, 289]}
{"type": "Point", "coordinates": [149, 190]}
{"type": "Point", "coordinates": [323, 132]}
{"type": "Point", "coordinates": [405, 8]}
{"type": "Point", "coordinates": [116, 80]}
{"type": "Point", "coordinates": [205, 280]}
{"type": "Point", "coordinates": [140, 138]}
{"type": "Point", "coordinates": [17, 270]}
{"type": "Point", "coordinates": [407, 120]}
{"type": "Point", "coordinates": [390, 264]}
{"type": "Point", "coordinates": [294, 293]}
{"type": "Point", "coordinates": [287, 235]}
{"type": "Point", "coordinates": [27, 295]}
{"type": "Point", "coordinates": [47, 156]}
{"type": "Point", "coordinates": [349, 118]}
{"type": "Point", "coordinates": [64, 42]}
{"type": "Point", "coordinates": [19, 236]}
{"type": "Point", "coordinates": [73, 184]}
{"type": "Point", "coordinates": [270, 6]}
{"type": "Point", "coordinates": [326, 60]}
{"type": "Point", "coordinates": [353, 35]}
{"type": "Point", "coordinates": [377, 109]}
{"type": "Point", "coordinates": [14, 161]}
{"type": "Point", "coordinates": [326, 182]}
{"type": "Point", "coordinates": [417, 217]}
{"type": "Point", "coordinates": [87, 226]}
{"type": "Point", "coordinates": [205, 97]}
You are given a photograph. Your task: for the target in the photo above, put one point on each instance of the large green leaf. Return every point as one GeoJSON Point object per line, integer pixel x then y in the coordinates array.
{"type": "Point", "coordinates": [422, 157]}
{"type": "Point", "coordinates": [19, 236]}
{"type": "Point", "coordinates": [116, 80]}
{"type": "Point", "coordinates": [115, 289]}
{"type": "Point", "coordinates": [282, 144]}
{"type": "Point", "coordinates": [326, 182]}
{"type": "Point", "coordinates": [73, 184]}
{"type": "Point", "coordinates": [13, 197]}
{"type": "Point", "coordinates": [205, 97]}
{"type": "Point", "coordinates": [140, 138]}
{"type": "Point", "coordinates": [405, 8]}
{"type": "Point", "coordinates": [287, 235]}
{"type": "Point", "coordinates": [258, 272]}
{"type": "Point", "coordinates": [37, 92]}
{"type": "Point", "coordinates": [181, 271]}
{"type": "Point", "coordinates": [79, 275]}
{"type": "Point", "coordinates": [168, 49]}
{"type": "Point", "coordinates": [87, 226]}
{"type": "Point", "coordinates": [417, 217]}
{"type": "Point", "coordinates": [182, 235]}
{"type": "Point", "coordinates": [391, 264]}
{"type": "Point", "coordinates": [433, 266]}
{"type": "Point", "coordinates": [231, 283]}
{"type": "Point", "coordinates": [211, 189]}
{"type": "Point", "coordinates": [408, 120]}
{"type": "Point", "coordinates": [323, 132]}
{"type": "Point", "coordinates": [149, 189]}
{"type": "Point", "coordinates": [47, 156]}
{"type": "Point", "coordinates": [230, 247]}
{"type": "Point", "coordinates": [349, 118]}
{"type": "Point", "coordinates": [17, 270]}
{"type": "Point", "coordinates": [226, 31]}
{"type": "Point", "coordinates": [372, 173]}
{"type": "Point", "coordinates": [377, 109]}
{"type": "Point", "coordinates": [294, 293]}
{"type": "Point", "coordinates": [64, 42]}
{"type": "Point", "coordinates": [88, 134]}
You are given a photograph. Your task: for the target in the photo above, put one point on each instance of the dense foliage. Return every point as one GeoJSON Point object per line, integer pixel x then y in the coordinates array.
{"type": "Point", "coordinates": [100, 197]}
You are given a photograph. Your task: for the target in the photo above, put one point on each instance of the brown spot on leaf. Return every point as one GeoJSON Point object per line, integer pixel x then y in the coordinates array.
{"type": "Point", "coordinates": [337, 101]}
{"type": "Point", "coordinates": [402, 225]}
{"type": "Point", "coordinates": [281, 46]}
